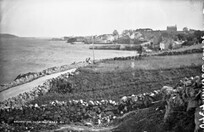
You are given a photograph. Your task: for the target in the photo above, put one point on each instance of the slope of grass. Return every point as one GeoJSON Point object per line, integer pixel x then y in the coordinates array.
{"type": "Point", "coordinates": [114, 79]}
{"type": "Point", "coordinates": [152, 62]}
{"type": "Point", "coordinates": [113, 85]}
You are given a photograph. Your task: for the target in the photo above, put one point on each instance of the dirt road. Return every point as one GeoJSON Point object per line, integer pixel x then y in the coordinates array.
{"type": "Point", "coordinates": [85, 128]}
{"type": "Point", "coordinates": [14, 91]}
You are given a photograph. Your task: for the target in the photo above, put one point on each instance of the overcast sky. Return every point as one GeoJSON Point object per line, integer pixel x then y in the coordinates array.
{"type": "Point", "coordinates": [49, 18]}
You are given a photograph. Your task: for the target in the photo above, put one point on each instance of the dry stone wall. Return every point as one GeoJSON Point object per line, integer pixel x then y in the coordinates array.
{"type": "Point", "coordinates": [30, 76]}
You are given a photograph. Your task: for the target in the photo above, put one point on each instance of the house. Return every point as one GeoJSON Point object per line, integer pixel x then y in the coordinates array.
{"type": "Point", "coordinates": [135, 35]}
{"type": "Point", "coordinates": [163, 46]}
{"type": "Point", "coordinates": [80, 39]}
{"type": "Point", "coordinates": [75, 40]}
{"type": "Point", "coordinates": [110, 38]}
{"type": "Point", "coordinates": [132, 36]}
{"type": "Point", "coordinates": [105, 38]}
{"type": "Point", "coordinates": [171, 28]}
{"type": "Point", "coordinates": [147, 44]}
{"type": "Point", "coordinates": [100, 41]}
{"type": "Point", "coordinates": [166, 43]}
{"type": "Point", "coordinates": [169, 43]}
{"type": "Point", "coordinates": [177, 44]}
{"type": "Point", "coordinates": [146, 49]}
{"type": "Point", "coordinates": [102, 37]}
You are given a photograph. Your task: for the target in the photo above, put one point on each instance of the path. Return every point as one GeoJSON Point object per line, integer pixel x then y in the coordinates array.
{"type": "Point", "coordinates": [85, 128]}
{"type": "Point", "coordinates": [14, 91]}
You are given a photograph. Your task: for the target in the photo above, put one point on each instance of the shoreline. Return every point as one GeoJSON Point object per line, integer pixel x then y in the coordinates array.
{"type": "Point", "coordinates": [27, 87]}
{"type": "Point", "coordinates": [31, 76]}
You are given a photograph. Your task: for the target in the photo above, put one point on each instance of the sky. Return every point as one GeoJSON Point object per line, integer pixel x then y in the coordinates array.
{"type": "Point", "coordinates": [57, 18]}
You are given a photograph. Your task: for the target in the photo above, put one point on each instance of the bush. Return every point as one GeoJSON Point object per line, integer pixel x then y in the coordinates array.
{"type": "Point", "coordinates": [71, 40]}
{"type": "Point", "coordinates": [123, 40]}
{"type": "Point", "coordinates": [188, 43]}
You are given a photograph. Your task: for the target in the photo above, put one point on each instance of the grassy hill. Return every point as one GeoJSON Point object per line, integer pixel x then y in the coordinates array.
{"type": "Point", "coordinates": [8, 36]}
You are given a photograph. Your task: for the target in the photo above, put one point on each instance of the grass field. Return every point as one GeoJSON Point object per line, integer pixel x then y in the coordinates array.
{"type": "Point", "coordinates": [113, 79]}
{"type": "Point", "coordinates": [149, 63]}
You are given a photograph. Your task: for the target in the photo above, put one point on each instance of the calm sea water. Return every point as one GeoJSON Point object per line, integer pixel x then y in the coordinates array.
{"type": "Point", "coordinates": [22, 55]}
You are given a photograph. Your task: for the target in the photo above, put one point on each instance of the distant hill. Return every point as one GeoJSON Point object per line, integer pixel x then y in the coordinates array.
{"type": "Point", "coordinates": [8, 36]}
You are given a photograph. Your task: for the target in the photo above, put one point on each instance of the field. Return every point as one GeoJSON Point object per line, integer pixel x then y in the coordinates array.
{"type": "Point", "coordinates": [114, 79]}
{"type": "Point", "coordinates": [148, 63]}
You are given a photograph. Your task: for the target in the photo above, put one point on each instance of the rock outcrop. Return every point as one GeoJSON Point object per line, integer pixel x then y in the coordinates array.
{"type": "Point", "coordinates": [184, 98]}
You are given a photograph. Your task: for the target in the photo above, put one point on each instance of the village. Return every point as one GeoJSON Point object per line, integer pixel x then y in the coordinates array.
{"type": "Point", "coordinates": [150, 40]}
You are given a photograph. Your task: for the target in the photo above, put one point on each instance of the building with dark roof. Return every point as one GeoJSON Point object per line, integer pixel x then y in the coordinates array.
{"type": "Point", "coordinates": [171, 28]}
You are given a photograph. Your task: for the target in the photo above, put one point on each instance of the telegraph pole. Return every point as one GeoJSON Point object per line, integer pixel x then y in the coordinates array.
{"type": "Point", "coordinates": [93, 48]}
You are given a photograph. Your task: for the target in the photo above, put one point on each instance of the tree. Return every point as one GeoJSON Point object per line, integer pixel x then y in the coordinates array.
{"type": "Point", "coordinates": [124, 40]}
{"type": "Point", "coordinates": [185, 29]}
{"type": "Point", "coordinates": [130, 32]}
{"type": "Point", "coordinates": [115, 33]}
{"type": "Point", "coordinates": [71, 40]}
{"type": "Point", "coordinates": [139, 50]}
{"type": "Point", "coordinates": [125, 33]}
{"type": "Point", "coordinates": [198, 34]}
{"type": "Point", "coordinates": [170, 46]}
{"type": "Point", "coordinates": [181, 36]}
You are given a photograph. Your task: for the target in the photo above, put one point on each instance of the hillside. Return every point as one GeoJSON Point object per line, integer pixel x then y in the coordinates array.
{"type": "Point", "coordinates": [112, 79]}
{"type": "Point", "coordinates": [8, 36]}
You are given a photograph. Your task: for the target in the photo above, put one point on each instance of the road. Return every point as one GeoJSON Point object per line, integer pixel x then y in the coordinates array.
{"type": "Point", "coordinates": [14, 91]}
{"type": "Point", "coordinates": [85, 128]}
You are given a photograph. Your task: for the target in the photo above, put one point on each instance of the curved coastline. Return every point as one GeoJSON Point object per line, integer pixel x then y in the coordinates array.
{"type": "Point", "coordinates": [31, 76]}
{"type": "Point", "coordinates": [28, 77]}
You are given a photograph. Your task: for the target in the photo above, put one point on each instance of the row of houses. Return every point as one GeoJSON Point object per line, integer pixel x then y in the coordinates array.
{"type": "Point", "coordinates": [105, 38]}
{"type": "Point", "coordinates": [134, 38]}
{"type": "Point", "coordinates": [127, 38]}
{"type": "Point", "coordinates": [156, 39]}
{"type": "Point", "coordinates": [170, 44]}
